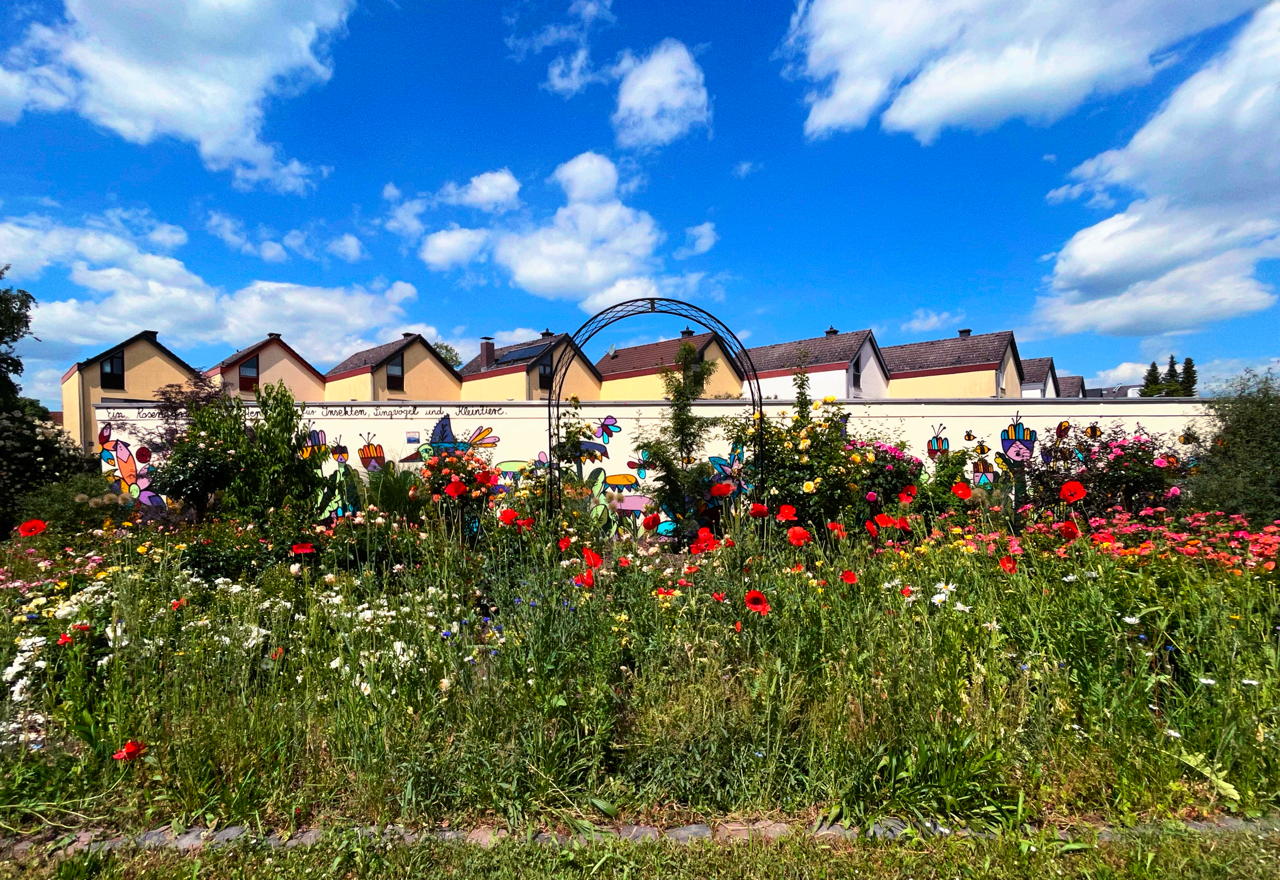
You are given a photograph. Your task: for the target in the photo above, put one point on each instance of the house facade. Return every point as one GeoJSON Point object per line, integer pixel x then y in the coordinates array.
{"type": "Point", "coordinates": [635, 373]}
{"type": "Point", "coordinates": [525, 370]}
{"type": "Point", "coordinates": [1039, 378]}
{"type": "Point", "coordinates": [962, 366]}
{"type": "Point", "coordinates": [134, 370]}
{"type": "Point", "coordinates": [408, 368]}
{"type": "Point", "coordinates": [841, 365]}
{"type": "Point", "coordinates": [266, 363]}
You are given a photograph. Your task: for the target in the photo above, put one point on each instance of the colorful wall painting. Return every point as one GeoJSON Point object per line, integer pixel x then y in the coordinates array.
{"type": "Point", "coordinates": [1018, 441]}
{"type": "Point", "coordinates": [131, 471]}
{"type": "Point", "coordinates": [938, 444]}
{"type": "Point", "coordinates": [372, 455]}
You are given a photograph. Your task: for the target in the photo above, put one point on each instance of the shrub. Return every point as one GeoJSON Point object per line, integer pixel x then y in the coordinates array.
{"type": "Point", "coordinates": [75, 504]}
{"type": "Point", "coordinates": [34, 453]}
{"type": "Point", "coordinates": [1238, 468]}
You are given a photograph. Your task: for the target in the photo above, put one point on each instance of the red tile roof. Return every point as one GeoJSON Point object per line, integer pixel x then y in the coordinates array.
{"type": "Point", "coordinates": [655, 355]}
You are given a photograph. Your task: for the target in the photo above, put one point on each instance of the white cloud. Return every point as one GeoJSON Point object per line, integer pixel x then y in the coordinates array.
{"type": "Point", "coordinates": [391, 192]}
{"type": "Point", "coordinates": [1126, 373]}
{"type": "Point", "coordinates": [698, 240]}
{"type": "Point", "coordinates": [272, 252]}
{"type": "Point", "coordinates": [1206, 170]}
{"type": "Point", "coordinates": [347, 247]}
{"type": "Point", "coordinates": [933, 64]}
{"type": "Point", "coordinates": [452, 247]}
{"type": "Point", "coordinates": [569, 74]}
{"type": "Point", "coordinates": [232, 233]}
{"type": "Point", "coordinates": [195, 70]}
{"type": "Point", "coordinates": [300, 243]}
{"type": "Point", "coordinates": [745, 168]}
{"type": "Point", "coordinates": [491, 191]}
{"type": "Point", "coordinates": [661, 97]}
{"type": "Point", "coordinates": [925, 320]}
{"type": "Point", "coordinates": [405, 219]}
{"type": "Point", "coordinates": [587, 177]}
{"type": "Point", "coordinates": [167, 236]}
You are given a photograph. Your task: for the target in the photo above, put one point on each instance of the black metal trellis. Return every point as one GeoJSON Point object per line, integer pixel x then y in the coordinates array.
{"type": "Point", "coordinates": [734, 350]}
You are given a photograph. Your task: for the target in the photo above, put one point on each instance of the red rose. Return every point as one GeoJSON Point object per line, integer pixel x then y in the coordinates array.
{"type": "Point", "coordinates": [32, 527]}
{"type": "Point", "coordinates": [720, 490]}
{"type": "Point", "coordinates": [962, 491]}
{"type": "Point", "coordinates": [759, 511]}
{"type": "Point", "coordinates": [798, 536]}
{"type": "Point", "coordinates": [757, 602]}
{"type": "Point", "coordinates": [1072, 491]}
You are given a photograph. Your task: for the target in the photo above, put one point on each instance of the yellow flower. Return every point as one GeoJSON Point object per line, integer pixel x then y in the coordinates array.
{"type": "Point", "coordinates": [809, 487]}
{"type": "Point", "coordinates": [179, 547]}
{"type": "Point", "coordinates": [830, 398]}
{"type": "Point", "coordinates": [856, 458]}
{"type": "Point", "coordinates": [142, 548]}
{"type": "Point", "coordinates": [871, 458]}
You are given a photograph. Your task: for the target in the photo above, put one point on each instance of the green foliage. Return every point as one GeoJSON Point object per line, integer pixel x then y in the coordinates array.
{"type": "Point", "coordinates": [1170, 383]}
{"type": "Point", "coordinates": [448, 353]}
{"type": "Point", "coordinates": [15, 324]}
{"type": "Point", "coordinates": [34, 453]}
{"type": "Point", "coordinates": [396, 491]}
{"type": "Point", "coordinates": [74, 504]}
{"type": "Point", "coordinates": [1187, 380]}
{"type": "Point", "coordinates": [1151, 386]}
{"type": "Point", "coordinates": [681, 478]}
{"type": "Point", "coordinates": [1238, 468]}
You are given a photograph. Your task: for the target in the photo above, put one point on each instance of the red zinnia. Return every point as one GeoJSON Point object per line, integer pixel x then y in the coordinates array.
{"type": "Point", "coordinates": [1008, 564]}
{"type": "Point", "coordinates": [304, 547]}
{"type": "Point", "coordinates": [719, 490]}
{"type": "Point", "coordinates": [786, 513]}
{"type": "Point", "coordinates": [1072, 491]}
{"type": "Point", "coordinates": [64, 639]}
{"type": "Point", "coordinates": [962, 491]}
{"type": "Point", "coordinates": [31, 528]}
{"type": "Point", "coordinates": [131, 750]}
{"type": "Point", "coordinates": [651, 522]}
{"type": "Point", "coordinates": [591, 557]}
{"type": "Point", "coordinates": [758, 511]}
{"type": "Point", "coordinates": [508, 517]}
{"type": "Point", "coordinates": [836, 529]}
{"type": "Point", "coordinates": [719, 597]}
{"type": "Point", "coordinates": [798, 536]}
{"type": "Point", "coordinates": [849, 577]}
{"type": "Point", "coordinates": [456, 488]}
{"type": "Point", "coordinates": [564, 543]}
{"type": "Point", "coordinates": [757, 602]}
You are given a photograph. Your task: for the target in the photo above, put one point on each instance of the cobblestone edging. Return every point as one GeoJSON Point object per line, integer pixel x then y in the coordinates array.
{"type": "Point", "coordinates": [49, 844]}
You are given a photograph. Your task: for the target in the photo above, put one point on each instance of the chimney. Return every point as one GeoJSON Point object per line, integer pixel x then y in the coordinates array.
{"type": "Point", "coordinates": [965, 333]}
{"type": "Point", "coordinates": [686, 333]}
{"type": "Point", "coordinates": [273, 335]}
{"type": "Point", "coordinates": [832, 331]}
{"type": "Point", "coordinates": [408, 335]}
{"type": "Point", "coordinates": [547, 333]}
{"type": "Point", "coordinates": [486, 352]}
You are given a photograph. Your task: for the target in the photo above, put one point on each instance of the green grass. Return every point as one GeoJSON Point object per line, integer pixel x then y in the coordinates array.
{"type": "Point", "coordinates": [1187, 857]}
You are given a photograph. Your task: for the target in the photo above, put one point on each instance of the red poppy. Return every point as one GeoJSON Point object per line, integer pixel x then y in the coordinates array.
{"type": "Point", "coordinates": [757, 602]}
{"type": "Point", "coordinates": [508, 517]}
{"type": "Point", "coordinates": [1009, 564]}
{"type": "Point", "coordinates": [884, 521]}
{"type": "Point", "coordinates": [872, 529]}
{"type": "Point", "coordinates": [586, 580]}
{"type": "Point", "coordinates": [903, 523]}
{"type": "Point", "coordinates": [906, 591]}
{"type": "Point", "coordinates": [798, 536]}
{"type": "Point", "coordinates": [904, 498]}
{"type": "Point", "coordinates": [564, 543]}
{"type": "Point", "coordinates": [277, 653]}
{"type": "Point", "coordinates": [525, 525]}
{"type": "Point", "coordinates": [665, 592]}
{"type": "Point", "coordinates": [80, 627]}
{"type": "Point", "coordinates": [720, 490]}
{"type": "Point", "coordinates": [591, 557]}
{"type": "Point", "coordinates": [651, 522]}
{"type": "Point", "coordinates": [911, 491]}
{"type": "Point", "coordinates": [302, 548]}
{"type": "Point", "coordinates": [456, 488]}
{"type": "Point", "coordinates": [963, 491]}
{"type": "Point", "coordinates": [849, 577]}
{"type": "Point", "coordinates": [177, 603]}
{"type": "Point", "coordinates": [786, 513]}
{"type": "Point", "coordinates": [130, 750]}
{"type": "Point", "coordinates": [624, 562]}
{"type": "Point", "coordinates": [759, 511]}
{"type": "Point", "coordinates": [719, 597]}
{"type": "Point", "coordinates": [1072, 491]}
{"type": "Point", "coordinates": [1068, 530]}
{"type": "Point", "coordinates": [705, 543]}
{"type": "Point", "coordinates": [65, 639]}
{"type": "Point", "coordinates": [737, 626]}
{"type": "Point", "coordinates": [836, 529]}
{"type": "Point", "coordinates": [32, 527]}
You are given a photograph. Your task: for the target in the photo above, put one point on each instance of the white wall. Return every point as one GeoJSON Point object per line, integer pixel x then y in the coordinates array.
{"type": "Point", "coordinates": [831, 383]}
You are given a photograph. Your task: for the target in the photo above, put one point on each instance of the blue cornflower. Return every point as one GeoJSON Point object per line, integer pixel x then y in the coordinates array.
{"type": "Point", "coordinates": [446, 634]}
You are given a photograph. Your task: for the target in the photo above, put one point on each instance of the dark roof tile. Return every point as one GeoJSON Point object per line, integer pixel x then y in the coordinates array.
{"type": "Point", "coordinates": [835, 349]}
{"type": "Point", "coordinates": [1071, 386]}
{"type": "Point", "coordinates": [1036, 370]}
{"type": "Point", "coordinates": [954, 351]}
{"type": "Point", "coordinates": [654, 355]}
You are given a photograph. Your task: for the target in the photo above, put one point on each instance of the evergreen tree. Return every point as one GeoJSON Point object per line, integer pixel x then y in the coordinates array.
{"type": "Point", "coordinates": [15, 323]}
{"type": "Point", "coordinates": [1188, 383]}
{"type": "Point", "coordinates": [1151, 382]}
{"type": "Point", "coordinates": [1171, 372]}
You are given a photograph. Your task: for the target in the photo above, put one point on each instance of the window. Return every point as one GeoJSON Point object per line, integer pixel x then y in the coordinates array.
{"type": "Point", "coordinates": [395, 373]}
{"type": "Point", "coordinates": [544, 377]}
{"type": "Point", "coordinates": [855, 373]}
{"type": "Point", "coordinates": [249, 374]}
{"type": "Point", "coordinates": [113, 371]}
{"type": "Point", "coordinates": [1000, 382]}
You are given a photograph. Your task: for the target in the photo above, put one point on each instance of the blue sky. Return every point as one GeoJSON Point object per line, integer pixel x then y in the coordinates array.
{"type": "Point", "coordinates": [1101, 178]}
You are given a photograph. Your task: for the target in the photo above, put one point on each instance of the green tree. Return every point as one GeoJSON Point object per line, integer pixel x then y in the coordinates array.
{"type": "Point", "coordinates": [1238, 469]}
{"type": "Point", "coordinates": [448, 353]}
{"type": "Point", "coordinates": [1187, 385]}
{"type": "Point", "coordinates": [1151, 382]}
{"type": "Point", "coordinates": [15, 324]}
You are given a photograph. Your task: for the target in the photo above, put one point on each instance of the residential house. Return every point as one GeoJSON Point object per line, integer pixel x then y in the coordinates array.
{"type": "Point", "coordinates": [1039, 378]}
{"type": "Point", "coordinates": [1114, 391]}
{"type": "Point", "coordinates": [840, 365]}
{"type": "Point", "coordinates": [635, 373]}
{"type": "Point", "coordinates": [266, 363]}
{"type": "Point", "coordinates": [131, 371]}
{"type": "Point", "coordinates": [962, 366]}
{"type": "Point", "coordinates": [407, 369]}
{"type": "Point", "coordinates": [525, 370]}
{"type": "Point", "coordinates": [1071, 386]}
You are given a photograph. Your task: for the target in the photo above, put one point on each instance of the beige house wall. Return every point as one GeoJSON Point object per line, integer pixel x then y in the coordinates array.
{"type": "Point", "coordinates": [1010, 386]}
{"type": "Point", "coordinates": [506, 387]}
{"type": "Point", "coordinates": [146, 369]}
{"type": "Point", "coordinates": [357, 387]}
{"type": "Point", "coordinates": [276, 364]}
{"type": "Point", "coordinates": [579, 382]}
{"type": "Point", "coordinates": [723, 384]}
{"type": "Point", "coordinates": [425, 378]}
{"type": "Point", "coordinates": [74, 408]}
{"type": "Point", "coordinates": [974, 383]}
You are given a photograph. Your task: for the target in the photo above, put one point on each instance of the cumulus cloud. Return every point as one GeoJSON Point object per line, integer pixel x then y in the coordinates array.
{"type": "Point", "coordinates": [569, 73]}
{"type": "Point", "coordinates": [347, 247]}
{"type": "Point", "coordinates": [1205, 170]}
{"type": "Point", "coordinates": [932, 64]}
{"type": "Point", "coordinates": [167, 236]}
{"type": "Point", "coordinates": [405, 219]}
{"type": "Point", "coordinates": [232, 233]}
{"type": "Point", "coordinates": [661, 98]}
{"type": "Point", "coordinates": [587, 177]}
{"type": "Point", "coordinates": [190, 69]}
{"type": "Point", "coordinates": [925, 320]}
{"type": "Point", "coordinates": [745, 168]}
{"type": "Point", "coordinates": [698, 240]}
{"type": "Point", "coordinates": [491, 191]}
{"type": "Point", "coordinates": [452, 247]}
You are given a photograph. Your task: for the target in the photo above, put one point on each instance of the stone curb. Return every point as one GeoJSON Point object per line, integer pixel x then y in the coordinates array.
{"type": "Point", "coordinates": [52, 845]}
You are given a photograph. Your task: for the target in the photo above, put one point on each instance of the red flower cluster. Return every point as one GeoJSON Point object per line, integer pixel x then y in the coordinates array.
{"type": "Point", "coordinates": [705, 542]}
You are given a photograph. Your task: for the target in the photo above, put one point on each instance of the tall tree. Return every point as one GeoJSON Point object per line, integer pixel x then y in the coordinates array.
{"type": "Point", "coordinates": [1151, 382]}
{"type": "Point", "coordinates": [448, 353]}
{"type": "Point", "coordinates": [1171, 372]}
{"type": "Point", "coordinates": [15, 323]}
{"type": "Point", "coordinates": [1188, 383]}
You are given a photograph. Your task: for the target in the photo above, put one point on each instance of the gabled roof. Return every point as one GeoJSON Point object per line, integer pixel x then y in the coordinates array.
{"type": "Point", "coordinates": [148, 336]}
{"type": "Point", "coordinates": [830, 348]}
{"type": "Point", "coordinates": [641, 359]}
{"type": "Point", "coordinates": [1071, 386]}
{"type": "Point", "coordinates": [524, 354]}
{"type": "Point", "coordinates": [244, 354]}
{"type": "Point", "coordinates": [1035, 370]}
{"type": "Point", "coordinates": [1110, 391]}
{"type": "Point", "coordinates": [954, 354]}
{"type": "Point", "coordinates": [372, 358]}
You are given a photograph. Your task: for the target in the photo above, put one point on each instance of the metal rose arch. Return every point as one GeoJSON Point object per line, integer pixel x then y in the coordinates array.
{"type": "Point", "coordinates": [733, 348]}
